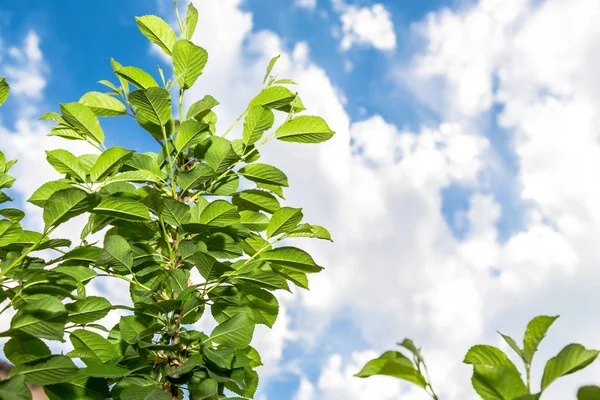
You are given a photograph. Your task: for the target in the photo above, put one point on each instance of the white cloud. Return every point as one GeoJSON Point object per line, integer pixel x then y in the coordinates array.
{"type": "Point", "coordinates": [308, 4]}
{"type": "Point", "coordinates": [368, 26]}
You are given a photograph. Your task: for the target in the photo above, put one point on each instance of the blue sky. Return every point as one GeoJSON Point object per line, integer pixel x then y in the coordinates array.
{"type": "Point", "coordinates": [460, 188]}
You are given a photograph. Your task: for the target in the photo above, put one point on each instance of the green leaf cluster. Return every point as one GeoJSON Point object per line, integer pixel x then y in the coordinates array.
{"type": "Point", "coordinates": [200, 205]}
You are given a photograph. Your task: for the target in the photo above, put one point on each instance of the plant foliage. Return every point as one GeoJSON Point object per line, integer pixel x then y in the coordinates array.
{"type": "Point", "coordinates": [202, 206]}
{"type": "Point", "coordinates": [495, 376]}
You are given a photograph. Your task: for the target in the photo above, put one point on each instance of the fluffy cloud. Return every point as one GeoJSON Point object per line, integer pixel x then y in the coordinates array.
{"type": "Point", "coordinates": [308, 4]}
{"type": "Point", "coordinates": [367, 26]}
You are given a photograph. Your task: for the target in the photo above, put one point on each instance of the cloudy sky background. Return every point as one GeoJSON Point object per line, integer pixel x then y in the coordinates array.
{"type": "Point", "coordinates": [461, 188]}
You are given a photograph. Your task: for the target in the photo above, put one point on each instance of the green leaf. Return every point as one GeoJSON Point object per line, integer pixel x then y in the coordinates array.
{"type": "Point", "coordinates": [97, 370]}
{"type": "Point", "coordinates": [570, 359]}
{"type": "Point", "coordinates": [201, 108]}
{"type": "Point", "coordinates": [80, 387]}
{"type": "Point", "coordinates": [588, 393]}
{"type": "Point", "coordinates": [44, 318]}
{"type": "Point", "coordinates": [258, 120]}
{"type": "Point", "coordinates": [124, 208]}
{"type": "Point", "coordinates": [43, 193]}
{"type": "Point", "coordinates": [22, 350]}
{"type": "Point", "coordinates": [535, 332]}
{"type": "Point", "coordinates": [236, 332]}
{"type": "Point", "coordinates": [131, 327]}
{"type": "Point", "coordinates": [395, 364]}
{"type": "Point", "coordinates": [255, 221]}
{"type": "Point", "coordinates": [263, 278]}
{"type": "Point", "coordinates": [190, 134]}
{"type": "Point", "coordinates": [90, 345]}
{"type": "Point", "coordinates": [175, 212]}
{"type": "Point", "coordinates": [4, 90]}
{"type": "Point", "coordinates": [89, 309]}
{"type": "Point", "coordinates": [304, 129]}
{"type": "Point", "coordinates": [157, 31]}
{"type": "Point", "coordinates": [270, 67]}
{"type": "Point", "coordinates": [199, 174]}
{"type": "Point", "coordinates": [273, 97]}
{"type": "Point", "coordinates": [65, 163]}
{"type": "Point", "coordinates": [15, 387]}
{"type": "Point", "coordinates": [499, 383]}
{"type": "Point", "coordinates": [513, 345]}
{"type": "Point", "coordinates": [109, 162]}
{"type": "Point", "coordinates": [52, 116]}
{"type": "Point", "coordinates": [297, 278]}
{"type": "Point", "coordinates": [10, 232]}
{"type": "Point", "coordinates": [49, 371]}
{"type": "Point", "coordinates": [137, 77]}
{"type": "Point", "coordinates": [207, 389]}
{"type": "Point", "coordinates": [189, 61]}
{"type": "Point", "coordinates": [293, 258]}
{"type": "Point", "coordinates": [263, 304]}
{"type": "Point", "coordinates": [487, 356]}
{"type": "Point", "coordinates": [136, 176]}
{"type": "Point", "coordinates": [310, 231]}
{"type": "Point", "coordinates": [144, 393]}
{"type": "Point", "coordinates": [66, 204]}
{"type": "Point", "coordinates": [264, 173]}
{"type": "Point", "coordinates": [284, 220]}
{"type": "Point", "coordinates": [102, 104]}
{"type": "Point", "coordinates": [226, 186]}
{"type": "Point", "coordinates": [152, 105]}
{"type": "Point", "coordinates": [187, 366]}
{"type": "Point", "coordinates": [219, 213]}
{"type": "Point", "coordinates": [220, 155]}
{"type": "Point", "coordinates": [117, 254]}
{"type": "Point", "coordinates": [190, 21]}
{"type": "Point", "coordinates": [256, 200]}
{"type": "Point", "coordinates": [221, 245]}
{"type": "Point", "coordinates": [83, 119]}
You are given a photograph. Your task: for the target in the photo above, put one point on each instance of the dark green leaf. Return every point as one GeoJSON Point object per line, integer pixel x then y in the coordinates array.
{"type": "Point", "coordinates": [15, 387]}
{"type": "Point", "coordinates": [48, 371]}
{"type": "Point", "coordinates": [23, 350]}
{"type": "Point", "coordinates": [235, 332]}
{"type": "Point", "coordinates": [588, 393]}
